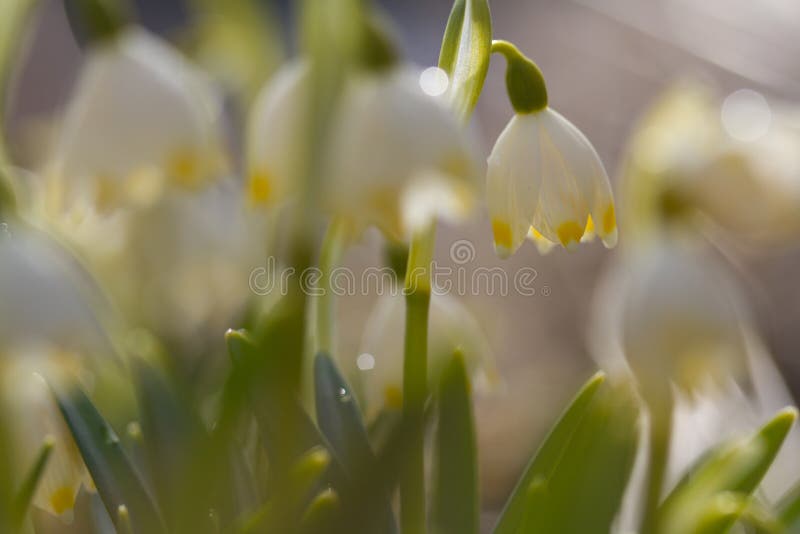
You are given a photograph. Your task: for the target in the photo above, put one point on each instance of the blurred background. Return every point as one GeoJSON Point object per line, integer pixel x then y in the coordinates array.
{"type": "Point", "coordinates": [605, 62]}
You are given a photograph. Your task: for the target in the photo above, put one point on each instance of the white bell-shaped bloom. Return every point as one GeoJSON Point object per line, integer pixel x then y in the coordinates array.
{"type": "Point", "coordinates": [50, 325]}
{"type": "Point", "coordinates": [673, 316]}
{"type": "Point", "coordinates": [397, 156]}
{"type": "Point", "coordinates": [140, 119]}
{"type": "Point", "coordinates": [736, 160]}
{"type": "Point", "coordinates": [451, 328]}
{"type": "Point", "coordinates": [546, 182]}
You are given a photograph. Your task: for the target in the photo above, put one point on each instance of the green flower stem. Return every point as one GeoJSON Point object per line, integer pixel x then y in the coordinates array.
{"type": "Point", "coordinates": [524, 81]}
{"type": "Point", "coordinates": [660, 433]}
{"type": "Point", "coordinates": [13, 18]}
{"type": "Point", "coordinates": [330, 256]}
{"type": "Point", "coordinates": [415, 378]}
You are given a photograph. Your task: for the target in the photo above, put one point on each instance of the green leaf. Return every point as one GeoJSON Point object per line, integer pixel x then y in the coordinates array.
{"type": "Point", "coordinates": [465, 53]}
{"type": "Point", "coordinates": [735, 468]}
{"type": "Point", "coordinates": [117, 481]}
{"type": "Point", "coordinates": [546, 460]}
{"type": "Point", "coordinates": [321, 513]}
{"type": "Point", "coordinates": [585, 488]}
{"type": "Point", "coordinates": [24, 497]}
{"type": "Point", "coordinates": [170, 428]}
{"type": "Point", "coordinates": [455, 495]}
{"type": "Point", "coordinates": [339, 418]}
{"type": "Point", "coordinates": [788, 508]}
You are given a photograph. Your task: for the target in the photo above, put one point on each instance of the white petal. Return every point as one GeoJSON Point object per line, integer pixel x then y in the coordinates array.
{"type": "Point", "coordinates": [275, 134]}
{"type": "Point", "coordinates": [568, 166]}
{"type": "Point", "coordinates": [512, 186]}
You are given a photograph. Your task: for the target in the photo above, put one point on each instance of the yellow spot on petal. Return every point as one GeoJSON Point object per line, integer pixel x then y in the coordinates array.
{"type": "Point", "coordinates": [502, 233]}
{"type": "Point", "coordinates": [184, 167]}
{"type": "Point", "coordinates": [259, 187]}
{"type": "Point", "coordinates": [393, 397]}
{"type": "Point", "coordinates": [62, 499]}
{"type": "Point", "coordinates": [569, 232]}
{"type": "Point", "coordinates": [106, 193]}
{"type": "Point", "coordinates": [609, 220]}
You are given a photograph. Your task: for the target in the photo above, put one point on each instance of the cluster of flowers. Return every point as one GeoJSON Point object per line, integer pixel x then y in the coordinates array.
{"type": "Point", "coordinates": [142, 190]}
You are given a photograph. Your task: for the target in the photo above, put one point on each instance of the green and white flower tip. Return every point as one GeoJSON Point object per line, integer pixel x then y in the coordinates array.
{"type": "Point", "coordinates": [452, 328]}
{"type": "Point", "coordinates": [398, 159]}
{"type": "Point", "coordinates": [667, 312]}
{"type": "Point", "coordinates": [140, 119]}
{"type": "Point", "coordinates": [545, 180]}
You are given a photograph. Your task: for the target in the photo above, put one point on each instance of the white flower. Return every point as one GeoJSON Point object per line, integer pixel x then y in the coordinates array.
{"type": "Point", "coordinates": [50, 325]}
{"type": "Point", "coordinates": [672, 315]}
{"type": "Point", "coordinates": [746, 176]}
{"type": "Point", "coordinates": [141, 119]}
{"type": "Point", "coordinates": [400, 158]}
{"type": "Point", "coordinates": [451, 328]}
{"type": "Point", "coordinates": [397, 157]}
{"type": "Point", "coordinates": [546, 182]}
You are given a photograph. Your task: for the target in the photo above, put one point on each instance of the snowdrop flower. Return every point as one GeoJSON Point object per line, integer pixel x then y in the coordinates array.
{"type": "Point", "coordinates": [141, 120]}
{"type": "Point", "coordinates": [49, 325]}
{"type": "Point", "coordinates": [452, 327]}
{"type": "Point", "coordinates": [668, 313]}
{"type": "Point", "coordinates": [398, 158]}
{"type": "Point", "coordinates": [545, 180]}
{"type": "Point", "coordinates": [692, 153]}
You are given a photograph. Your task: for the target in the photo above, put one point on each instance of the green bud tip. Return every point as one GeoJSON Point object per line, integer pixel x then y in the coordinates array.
{"type": "Point", "coordinates": [524, 81]}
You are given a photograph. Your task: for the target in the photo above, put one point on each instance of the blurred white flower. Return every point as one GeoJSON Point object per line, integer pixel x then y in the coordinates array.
{"type": "Point", "coordinates": [451, 327]}
{"type": "Point", "coordinates": [397, 158]}
{"type": "Point", "coordinates": [717, 157]}
{"type": "Point", "coordinates": [50, 326]}
{"type": "Point", "coordinates": [141, 119]}
{"type": "Point", "coordinates": [673, 316]}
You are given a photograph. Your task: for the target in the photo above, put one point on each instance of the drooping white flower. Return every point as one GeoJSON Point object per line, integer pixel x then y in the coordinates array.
{"type": "Point", "coordinates": [451, 327]}
{"type": "Point", "coordinates": [673, 316]}
{"type": "Point", "coordinates": [397, 156]}
{"type": "Point", "coordinates": [745, 177]}
{"type": "Point", "coordinates": [545, 180]}
{"type": "Point", "coordinates": [52, 322]}
{"type": "Point", "coordinates": [400, 158]}
{"type": "Point", "coordinates": [141, 119]}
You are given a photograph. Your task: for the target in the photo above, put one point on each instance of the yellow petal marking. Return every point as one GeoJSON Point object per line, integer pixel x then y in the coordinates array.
{"type": "Point", "coordinates": [609, 220]}
{"type": "Point", "coordinates": [184, 167]}
{"type": "Point", "coordinates": [259, 187]}
{"type": "Point", "coordinates": [62, 499]}
{"type": "Point", "coordinates": [502, 233]}
{"type": "Point", "coordinates": [569, 232]}
{"type": "Point", "coordinates": [589, 226]}
{"type": "Point", "coordinates": [106, 193]}
{"type": "Point", "coordinates": [393, 397]}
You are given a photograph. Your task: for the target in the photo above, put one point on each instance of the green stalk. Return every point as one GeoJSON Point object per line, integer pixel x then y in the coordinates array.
{"type": "Point", "coordinates": [415, 378]}
{"type": "Point", "coordinates": [660, 433]}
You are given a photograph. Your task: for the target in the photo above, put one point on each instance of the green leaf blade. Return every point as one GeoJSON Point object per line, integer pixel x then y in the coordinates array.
{"type": "Point", "coordinates": [116, 480]}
